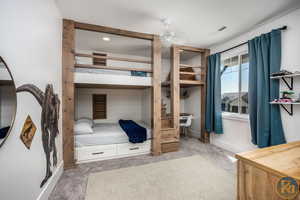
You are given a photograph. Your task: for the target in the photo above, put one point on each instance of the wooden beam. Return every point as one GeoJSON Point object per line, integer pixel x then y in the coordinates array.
{"type": "Point", "coordinates": [191, 73]}
{"type": "Point", "coordinates": [192, 66]}
{"type": "Point", "coordinates": [115, 31]}
{"type": "Point", "coordinates": [175, 88]}
{"type": "Point", "coordinates": [68, 62]}
{"type": "Point", "coordinates": [204, 135]}
{"type": "Point", "coordinates": [112, 68]}
{"type": "Point", "coordinates": [156, 97]}
{"type": "Point", "coordinates": [114, 58]}
{"type": "Point", "coordinates": [194, 49]}
{"type": "Point", "coordinates": [106, 86]}
{"type": "Point", "coordinates": [185, 83]}
{"type": "Point", "coordinates": [191, 82]}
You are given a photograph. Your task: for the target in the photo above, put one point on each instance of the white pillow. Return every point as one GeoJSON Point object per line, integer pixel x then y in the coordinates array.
{"type": "Point", "coordinates": [87, 120]}
{"type": "Point", "coordinates": [81, 128]}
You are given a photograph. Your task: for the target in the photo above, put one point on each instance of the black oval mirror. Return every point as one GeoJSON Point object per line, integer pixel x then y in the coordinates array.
{"type": "Point", "coordinates": [8, 101]}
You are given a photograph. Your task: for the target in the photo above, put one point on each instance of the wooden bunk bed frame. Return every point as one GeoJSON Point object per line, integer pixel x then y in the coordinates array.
{"type": "Point", "coordinates": [164, 140]}
{"type": "Point", "coordinates": [68, 64]}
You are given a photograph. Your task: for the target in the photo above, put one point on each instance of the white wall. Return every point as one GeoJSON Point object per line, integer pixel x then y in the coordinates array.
{"type": "Point", "coordinates": [236, 135]}
{"type": "Point", "coordinates": [31, 40]}
{"type": "Point", "coordinates": [121, 104]}
{"type": "Point", "coordinates": [7, 105]}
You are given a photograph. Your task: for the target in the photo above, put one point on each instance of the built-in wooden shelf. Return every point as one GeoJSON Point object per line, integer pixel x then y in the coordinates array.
{"type": "Point", "coordinates": [185, 83]}
{"type": "Point", "coordinates": [192, 66]}
{"type": "Point", "coordinates": [191, 82]}
{"type": "Point", "coordinates": [113, 68]}
{"type": "Point", "coordinates": [193, 73]}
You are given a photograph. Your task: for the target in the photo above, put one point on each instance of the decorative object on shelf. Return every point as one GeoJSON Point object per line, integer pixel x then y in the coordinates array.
{"type": "Point", "coordinates": [28, 132]}
{"type": "Point", "coordinates": [287, 95]}
{"type": "Point", "coordinates": [281, 73]}
{"type": "Point", "coordinates": [50, 104]}
{"type": "Point", "coordinates": [287, 98]}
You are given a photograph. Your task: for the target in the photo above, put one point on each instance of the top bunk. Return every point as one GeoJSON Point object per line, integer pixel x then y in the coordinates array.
{"type": "Point", "coordinates": [107, 60]}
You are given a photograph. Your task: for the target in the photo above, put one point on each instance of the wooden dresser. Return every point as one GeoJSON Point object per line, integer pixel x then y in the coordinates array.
{"type": "Point", "coordinates": [259, 171]}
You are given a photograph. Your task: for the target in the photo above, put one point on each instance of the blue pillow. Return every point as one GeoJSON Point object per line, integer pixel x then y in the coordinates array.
{"type": "Point", "coordinates": [137, 73]}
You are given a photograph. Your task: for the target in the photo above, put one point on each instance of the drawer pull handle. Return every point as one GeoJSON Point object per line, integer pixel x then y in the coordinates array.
{"type": "Point", "coordinates": [97, 153]}
{"type": "Point", "coordinates": [134, 148]}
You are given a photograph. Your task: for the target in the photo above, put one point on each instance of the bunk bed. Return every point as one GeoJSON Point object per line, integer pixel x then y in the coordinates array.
{"type": "Point", "coordinates": [108, 141]}
{"type": "Point", "coordinates": [100, 74]}
{"type": "Point", "coordinates": [93, 69]}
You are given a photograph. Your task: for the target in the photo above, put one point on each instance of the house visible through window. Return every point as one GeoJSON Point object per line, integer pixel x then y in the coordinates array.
{"type": "Point", "coordinates": [99, 106]}
{"type": "Point", "coordinates": [234, 84]}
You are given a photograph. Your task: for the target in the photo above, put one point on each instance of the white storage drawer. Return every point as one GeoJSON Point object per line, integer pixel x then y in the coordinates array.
{"type": "Point", "coordinates": [130, 148]}
{"type": "Point", "coordinates": [95, 152]}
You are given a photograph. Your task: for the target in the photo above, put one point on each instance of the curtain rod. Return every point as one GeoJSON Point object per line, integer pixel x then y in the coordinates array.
{"type": "Point", "coordinates": [282, 28]}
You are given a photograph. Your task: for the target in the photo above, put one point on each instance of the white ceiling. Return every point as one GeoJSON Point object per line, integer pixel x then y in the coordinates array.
{"type": "Point", "coordinates": [194, 21]}
{"type": "Point", "coordinates": [89, 40]}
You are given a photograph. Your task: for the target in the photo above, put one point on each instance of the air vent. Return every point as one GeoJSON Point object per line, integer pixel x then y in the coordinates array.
{"type": "Point", "coordinates": [222, 28]}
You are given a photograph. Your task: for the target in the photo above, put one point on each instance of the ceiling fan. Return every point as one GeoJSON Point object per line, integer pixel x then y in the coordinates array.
{"type": "Point", "coordinates": [168, 37]}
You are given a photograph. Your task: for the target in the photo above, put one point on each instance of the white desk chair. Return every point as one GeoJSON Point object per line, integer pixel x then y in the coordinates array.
{"type": "Point", "coordinates": [185, 123]}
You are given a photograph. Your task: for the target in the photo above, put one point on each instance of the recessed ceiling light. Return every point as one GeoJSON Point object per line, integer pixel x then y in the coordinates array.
{"type": "Point", "coordinates": [222, 28]}
{"type": "Point", "coordinates": [106, 39]}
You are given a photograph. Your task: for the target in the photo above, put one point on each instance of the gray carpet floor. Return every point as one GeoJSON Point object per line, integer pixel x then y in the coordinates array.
{"type": "Point", "coordinates": [72, 184]}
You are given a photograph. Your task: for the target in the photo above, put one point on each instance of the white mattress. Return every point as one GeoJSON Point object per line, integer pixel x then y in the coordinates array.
{"type": "Point", "coordinates": [105, 133]}
{"type": "Point", "coordinates": [110, 77]}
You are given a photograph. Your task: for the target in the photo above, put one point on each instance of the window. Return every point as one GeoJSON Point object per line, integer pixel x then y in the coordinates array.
{"type": "Point", "coordinates": [99, 106]}
{"type": "Point", "coordinates": [234, 84]}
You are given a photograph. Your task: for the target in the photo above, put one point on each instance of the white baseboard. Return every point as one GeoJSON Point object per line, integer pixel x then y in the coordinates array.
{"type": "Point", "coordinates": [227, 146]}
{"type": "Point", "coordinates": [194, 133]}
{"type": "Point", "coordinates": [47, 189]}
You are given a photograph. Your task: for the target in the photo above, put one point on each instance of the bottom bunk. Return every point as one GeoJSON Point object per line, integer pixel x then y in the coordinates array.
{"type": "Point", "coordinates": [107, 141]}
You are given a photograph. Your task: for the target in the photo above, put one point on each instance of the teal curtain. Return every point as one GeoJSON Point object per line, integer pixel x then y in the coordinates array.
{"type": "Point", "coordinates": [265, 119]}
{"type": "Point", "coordinates": [213, 113]}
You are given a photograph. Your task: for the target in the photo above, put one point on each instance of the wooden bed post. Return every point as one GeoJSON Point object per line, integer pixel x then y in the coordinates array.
{"type": "Point", "coordinates": [156, 95]}
{"type": "Point", "coordinates": [204, 135]}
{"type": "Point", "coordinates": [68, 62]}
{"type": "Point", "coordinates": [175, 88]}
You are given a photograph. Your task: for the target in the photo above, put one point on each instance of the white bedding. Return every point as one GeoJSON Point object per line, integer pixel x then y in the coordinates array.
{"type": "Point", "coordinates": [109, 77]}
{"type": "Point", "coordinates": [105, 133]}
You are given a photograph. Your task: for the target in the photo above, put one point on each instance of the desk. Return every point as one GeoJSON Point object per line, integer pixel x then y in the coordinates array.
{"type": "Point", "coordinates": [259, 170]}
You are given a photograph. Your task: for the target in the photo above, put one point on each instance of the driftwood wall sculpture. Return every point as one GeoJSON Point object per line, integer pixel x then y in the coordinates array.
{"type": "Point", "coordinates": [49, 121]}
